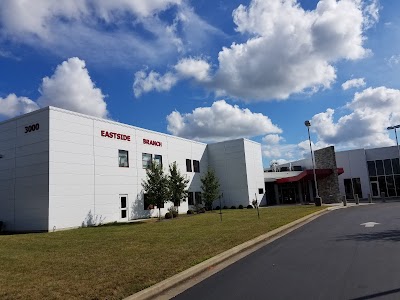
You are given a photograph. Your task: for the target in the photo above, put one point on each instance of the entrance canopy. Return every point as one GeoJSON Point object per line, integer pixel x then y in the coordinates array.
{"type": "Point", "coordinates": [309, 175]}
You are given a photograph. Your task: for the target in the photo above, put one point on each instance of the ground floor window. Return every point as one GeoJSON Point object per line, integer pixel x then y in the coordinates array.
{"type": "Point", "coordinates": [190, 198]}
{"type": "Point", "coordinates": [352, 186]}
{"type": "Point", "coordinates": [146, 203]}
{"type": "Point", "coordinates": [197, 197]}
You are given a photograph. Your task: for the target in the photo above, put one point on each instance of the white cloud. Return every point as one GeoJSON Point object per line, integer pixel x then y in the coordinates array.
{"type": "Point", "coordinates": [187, 68]}
{"type": "Point", "coordinates": [371, 112]}
{"type": "Point", "coordinates": [12, 105]}
{"type": "Point", "coordinates": [353, 83]}
{"type": "Point", "coordinates": [120, 28]}
{"type": "Point", "coordinates": [145, 83]}
{"type": "Point", "coordinates": [393, 60]}
{"type": "Point", "coordinates": [193, 68]}
{"type": "Point", "coordinates": [290, 50]}
{"type": "Point", "coordinates": [272, 139]}
{"type": "Point", "coordinates": [70, 87]}
{"type": "Point", "coordinates": [219, 122]}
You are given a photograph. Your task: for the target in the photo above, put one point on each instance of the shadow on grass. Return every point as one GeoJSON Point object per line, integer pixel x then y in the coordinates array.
{"type": "Point", "coordinates": [388, 235]}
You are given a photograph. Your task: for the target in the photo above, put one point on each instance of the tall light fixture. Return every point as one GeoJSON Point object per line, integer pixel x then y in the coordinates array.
{"type": "Point", "coordinates": [317, 199]}
{"type": "Point", "coordinates": [397, 142]}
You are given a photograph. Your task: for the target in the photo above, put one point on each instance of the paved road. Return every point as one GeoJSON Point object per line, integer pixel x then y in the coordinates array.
{"type": "Point", "coordinates": [333, 257]}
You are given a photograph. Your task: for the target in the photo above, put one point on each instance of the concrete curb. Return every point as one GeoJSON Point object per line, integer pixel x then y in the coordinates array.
{"type": "Point", "coordinates": [169, 283]}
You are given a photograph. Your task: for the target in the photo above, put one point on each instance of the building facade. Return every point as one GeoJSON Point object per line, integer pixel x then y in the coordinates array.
{"type": "Point", "coordinates": [60, 169]}
{"type": "Point", "coordinates": [361, 172]}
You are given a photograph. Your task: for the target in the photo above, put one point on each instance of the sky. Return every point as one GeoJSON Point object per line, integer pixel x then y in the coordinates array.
{"type": "Point", "coordinates": [211, 70]}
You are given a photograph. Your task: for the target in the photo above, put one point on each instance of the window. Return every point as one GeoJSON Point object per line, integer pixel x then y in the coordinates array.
{"type": "Point", "coordinates": [161, 205]}
{"type": "Point", "coordinates": [357, 187]}
{"type": "Point", "coordinates": [123, 160]}
{"type": "Point", "coordinates": [146, 202]}
{"type": "Point", "coordinates": [379, 167]}
{"type": "Point", "coordinates": [261, 191]}
{"type": "Point", "coordinates": [371, 168]}
{"type": "Point", "coordinates": [382, 185]}
{"type": "Point", "coordinates": [188, 165]}
{"type": "Point", "coordinates": [146, 160]}
{"type": "Point", "coordinates": [348, 188]}
{"type": "Point", "coordinates": [190, 198]}
{"type": "Point", "coordinates": [396, 167]}
{"type": "Point", "coordinates": [388, 167]}
{"type": "Point", "coordinates": [196, 166]}
{"type": "Point", "coordinates": [197, 197]}
{"type": "Point", "coordinates": [390, 186]}
{"type": "Point", "coordinates": [158, 159]}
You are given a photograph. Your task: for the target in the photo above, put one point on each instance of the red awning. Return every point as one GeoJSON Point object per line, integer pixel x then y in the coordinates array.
{"type": "Point", "coordinates": [309, 175]}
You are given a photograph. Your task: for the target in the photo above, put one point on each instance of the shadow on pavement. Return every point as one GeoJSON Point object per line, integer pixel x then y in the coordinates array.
{"type": "Point", "coordinates": [372, 296]}
{"type": "Point", "coordinates": [388, 235]}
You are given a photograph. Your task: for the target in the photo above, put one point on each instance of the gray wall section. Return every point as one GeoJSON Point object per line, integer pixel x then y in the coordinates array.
{"type": "Point", "coordinates": [355, 166]}
{"type": "Point", "coordinates": [228, 161]}
{"type": "Point", "coordinates": [24, 173]}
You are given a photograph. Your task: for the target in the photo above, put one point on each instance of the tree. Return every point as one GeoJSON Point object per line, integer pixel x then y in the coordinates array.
{"type": "Point", "coordinates": [210, 188]}
{"type": "Point", "coordinates": [177, 185]}
{"type": "Point", "coordinates": [156, 186]}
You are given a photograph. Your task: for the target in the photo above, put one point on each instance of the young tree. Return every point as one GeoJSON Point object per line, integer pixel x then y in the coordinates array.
{"type": "Point", "coordinates": [177, 185]}
{"type": "Point", "coordinates": [210, 188]}
{"type": "Point", "coordinates": [156, 186]}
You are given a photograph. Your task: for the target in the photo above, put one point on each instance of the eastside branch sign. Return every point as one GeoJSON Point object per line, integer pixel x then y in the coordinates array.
{"type": "Point", "coordinates": [151, 142]}
{"type": "Point", "coordinates": [115, 135]}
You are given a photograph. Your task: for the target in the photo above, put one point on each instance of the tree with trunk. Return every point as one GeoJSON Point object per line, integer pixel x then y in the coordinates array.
{"type": "Point", "coordinates": [177, 185]}
{"type": "Point", "coordinates": [156, 186]}
{"type": "Point", "coordinates": [210, 187]}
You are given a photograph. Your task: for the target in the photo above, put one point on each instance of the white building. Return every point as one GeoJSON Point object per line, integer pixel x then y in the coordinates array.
{"type": "Point", "coordinates": [362, 172]}
{"type": "Point", "coordinates": [61, 169]}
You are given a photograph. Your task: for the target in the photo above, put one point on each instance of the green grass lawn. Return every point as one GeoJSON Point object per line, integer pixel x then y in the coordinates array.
{"type": "Point", "coordinates": [112, 262]}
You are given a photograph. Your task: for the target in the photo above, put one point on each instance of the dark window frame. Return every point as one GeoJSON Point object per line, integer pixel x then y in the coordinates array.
{"type": "Point", "coordinates": [190, 198]}
{"type": "Point", "coordinates": [148, 161]}
{"type": "Point", "coordinates": [197, 196]}
{"type": "Point", "coordinates": [196, 166]}
{"type": "Point", "coordinates": [188, 165]}
{"type": "Point", "coordinates": [156, 156]}
{"type": "Point", "coordinates": [120, 151]}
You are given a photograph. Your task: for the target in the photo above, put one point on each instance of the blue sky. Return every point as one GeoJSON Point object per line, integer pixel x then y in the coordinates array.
{"type": "Point", "coordinates": [211, 70]}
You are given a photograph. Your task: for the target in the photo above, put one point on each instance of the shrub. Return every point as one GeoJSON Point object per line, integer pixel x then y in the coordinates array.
{"type": "Point", "coordinates": [217, 207]}
{"type": "Point", "coordinates": [190, 212]}
{"type": "Point", "coordinates": [249, 206]}
{"type": "Point", "coordinates": [202, 211]}
{"type": "Point", "coordinates": [225, 207]}
{"type": "Point", "coordinates": [168, 215]}
{"type": "Point", "coordinates": [1, 225]}
{"type": "Point", "coordinates": [233, 207]}
{"type": "Point", "coordinates": [240, 206]}
{"type": "Point", "coordinates": [173, 211]}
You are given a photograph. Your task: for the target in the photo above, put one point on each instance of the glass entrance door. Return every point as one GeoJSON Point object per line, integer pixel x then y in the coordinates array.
{"type": "Point", "coordinates": [123, 199]}
{"type": "Point", "coordinates": [375, 188]}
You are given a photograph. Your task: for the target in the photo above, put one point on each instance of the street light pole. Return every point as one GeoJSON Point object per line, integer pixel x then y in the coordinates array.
{"type": "Point", "coordinates": [397, 141]}
{"type": "Point", "coordinates": [317, 199]}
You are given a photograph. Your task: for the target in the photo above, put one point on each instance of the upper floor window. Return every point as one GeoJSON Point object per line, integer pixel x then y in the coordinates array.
{"type": "Point", "coordinates": [158, 159]}
{"type": "Point", "coordinates": [146, 160]}
{"type": "Point", "coordinates": [196, 166]}
{"type": "Point", "coordinates": [188, 165]}
{"type": "Point", "coordinates": [123, 159]}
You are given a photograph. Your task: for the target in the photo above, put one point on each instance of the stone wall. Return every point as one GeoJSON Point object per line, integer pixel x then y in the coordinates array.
{"type": "Point", "coordinates": [328, 187]}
